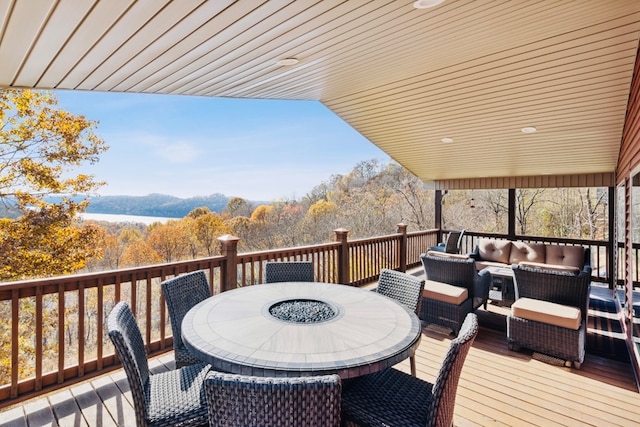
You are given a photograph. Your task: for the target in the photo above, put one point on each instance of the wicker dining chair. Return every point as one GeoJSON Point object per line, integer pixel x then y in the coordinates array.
{"type": "Point", "coordinates": [394, 398]}
{"type": "Point", "coordinates": [240, 400]}
{"type": "Point", "coordinates": [288, 271]}
{"type": "Point", "coordinates": [169, 398]}
{"type": "Point", "coordinates": [405, 289]}
{"type": "Point", "coordinates": [181, 293]}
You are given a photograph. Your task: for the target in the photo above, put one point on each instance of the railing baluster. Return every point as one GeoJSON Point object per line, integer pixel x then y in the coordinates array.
{"type": "Point", "coordinates": [100, 322]}
{"type": "Point", "coordinates": [81, 340]}
{"type": "Point", "coordinates": [148, 310]}
{"type": "Point", "coordinates": [15, 349]}
{"type": "Point", "coordinates": [38, 337]}
{"type": "Point", "coordinates": [61, 323]}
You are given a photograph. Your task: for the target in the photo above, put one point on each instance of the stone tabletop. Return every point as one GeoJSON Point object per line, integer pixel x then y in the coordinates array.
{"type": "Point", "coordinates": [357, 331]}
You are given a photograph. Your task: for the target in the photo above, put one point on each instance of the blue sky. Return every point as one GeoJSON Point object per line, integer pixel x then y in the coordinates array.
{"type": "Point", "coordinates": [193, 146]}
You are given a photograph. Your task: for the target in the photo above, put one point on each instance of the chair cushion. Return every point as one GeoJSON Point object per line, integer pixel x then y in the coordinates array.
{"type": "Point", "coordinates": [572, 256]}
{"type": "Point", "coordinates": [547, 312]}
{"type": "Point", "coordinates": [494, 250]}
{"type": "Point", "coordinates": [551, 267]}
{"type": "Point", "coordinates": [521, 251]}
{"type": "Point", "coordinates": [444, 292]}
{"type": "Point", "coordinates": [447, 255]}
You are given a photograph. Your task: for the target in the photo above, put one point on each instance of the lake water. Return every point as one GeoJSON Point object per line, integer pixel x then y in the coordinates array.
{"type": "Point", "coordinates": [125, 218]}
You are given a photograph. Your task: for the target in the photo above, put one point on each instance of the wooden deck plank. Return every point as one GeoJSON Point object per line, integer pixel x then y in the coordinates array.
{"type": "Point", "coordinates": [14, 417]}
{"type": "Point", "coordinates": [92, 407]}
{"type": "Point", "coordinates": [66, 409]}
{"type": "Point", "coordinates": [119, 408]}
{"type": "Point", "coordinates": [39, 413]}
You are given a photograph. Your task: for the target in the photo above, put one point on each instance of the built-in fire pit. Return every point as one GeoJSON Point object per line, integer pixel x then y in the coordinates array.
{"type": "Point", "coordinates": [302, 311]}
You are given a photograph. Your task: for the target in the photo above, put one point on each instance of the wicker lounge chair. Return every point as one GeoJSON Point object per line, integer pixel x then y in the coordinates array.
{"type": "Point", "coordinates": [550, 314]}
{"type": "Point", "coordinates": [239, 400]}
{"type": "Point", "coordinates": [181, 293]}
{"type": "Point", "coordinates": [451, 245]}
{"type": "Point", "coordinates": [165, 399]}
{"type": "Point", "coordinates": [404, 288]}
{"type": "Point", "coordinates": [288, 271]}
{"type": "Point", "coordinates": [445, 305]}
{"type": "Point", "coordinates": [394, 398]}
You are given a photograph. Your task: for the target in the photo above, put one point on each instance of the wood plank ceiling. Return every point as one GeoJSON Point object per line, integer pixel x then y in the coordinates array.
{"type": "Point", "coordinates": [476, 71]}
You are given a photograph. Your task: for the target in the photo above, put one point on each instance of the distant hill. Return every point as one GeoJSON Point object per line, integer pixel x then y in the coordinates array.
{"type": "Point", "coordinates": [160, 205]}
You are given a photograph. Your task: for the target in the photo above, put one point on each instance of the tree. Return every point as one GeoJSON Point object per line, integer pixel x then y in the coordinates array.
{"type": "Point", "coordinates": [40, 145]}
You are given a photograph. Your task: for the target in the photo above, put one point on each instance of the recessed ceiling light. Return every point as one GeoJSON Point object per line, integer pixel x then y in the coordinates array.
{"type": "Point", "coordinates": [288, 61]}
{"type": "Point", "coordinates": [426, 4]}
{"type": "Point", "coordinates": [528, 129]}
{"type": "Point", "coordinates": [447, 140]}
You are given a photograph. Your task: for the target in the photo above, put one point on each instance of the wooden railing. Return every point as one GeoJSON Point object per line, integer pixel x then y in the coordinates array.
{"type": "Point", "coordinates": [53, 332]}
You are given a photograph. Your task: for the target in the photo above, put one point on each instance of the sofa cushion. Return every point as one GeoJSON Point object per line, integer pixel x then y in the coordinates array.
{"type": "Point", "coordinates": [551, 267]}
{"type": "Point", "coordinates": [480, 265]}
{"type": "Point", "coordinates": [547, 312]}
{"type": "Point", "coordinates": [444, 292]}
{"type": "Point", "coordinates": [494, 250]}
{"type": "Point", "coordinates": [447, 255]}
{"type": "Point", "coordinates": [521, 251]}
{"type": "Point", "coordinates": [572, 256]}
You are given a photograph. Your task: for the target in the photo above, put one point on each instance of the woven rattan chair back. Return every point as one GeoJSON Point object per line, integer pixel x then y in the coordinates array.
{"type": "Point", "coordinates": [126, 338]}
{"type": "Point", "coordinates": [288, 271]}
{"type": "Point", "coordinates": [452, 244]}
{"type": "Point", "coordinates": [407, 290]}
{"type": "Point", "coordinates": [454, 271]}
{"type": "Point", "coordinates": [402, 287]}
{"type": "Point", "coordinates": [446, 384]}
{"type": "Point", "coordinates": [181, 293]}
{"type": "Point", "coordinates": [239, 400]}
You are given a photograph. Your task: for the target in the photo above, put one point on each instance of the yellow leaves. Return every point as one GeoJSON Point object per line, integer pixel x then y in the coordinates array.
{"type": "Point", "coordinates": [261, 214]}
{"type": "Point", "coordinates": [322, 208]}
{"type": "Point", "coordinates": [40, 144]}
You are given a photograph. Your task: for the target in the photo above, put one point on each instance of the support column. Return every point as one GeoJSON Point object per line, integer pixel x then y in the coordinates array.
{"type": "Point", "coordinates": [437, 209]}
{"type": "Point", "coordinates": [402, 229]}
{"type": "Point", "coordinates": [612, 258]}
{"type": "Point", "coordinates": [511, 232]}
{"type": "Point", "coordinates": [343, 256]}
{"type": "Point", "coordinates": [229, 274]}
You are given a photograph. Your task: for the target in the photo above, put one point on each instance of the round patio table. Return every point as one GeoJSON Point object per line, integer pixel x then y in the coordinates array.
{"type": "Point", "coordinates": [301, 329]}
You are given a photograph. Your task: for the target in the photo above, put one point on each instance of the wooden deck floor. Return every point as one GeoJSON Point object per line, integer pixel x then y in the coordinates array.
{"type": "Point", "coordinates": [497, 387]}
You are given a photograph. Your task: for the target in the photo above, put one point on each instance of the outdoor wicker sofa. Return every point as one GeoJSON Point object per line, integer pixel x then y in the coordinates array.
{"type": "Point", "coordinates": [503, 253]}
{"type": "Point", "coordinates": [453, 288]}
{"type": "Point", "coordinates": [549, 315]}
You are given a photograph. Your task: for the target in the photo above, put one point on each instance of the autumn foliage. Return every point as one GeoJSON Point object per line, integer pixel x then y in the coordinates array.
{"type": "Point", "coordinates": [40, 145]}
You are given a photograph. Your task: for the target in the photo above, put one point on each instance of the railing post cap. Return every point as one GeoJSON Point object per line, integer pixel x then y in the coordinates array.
{"type": "Point", "coordinates": [228, 238]}
{"type": "Point", "coordinates": [340, 230]}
